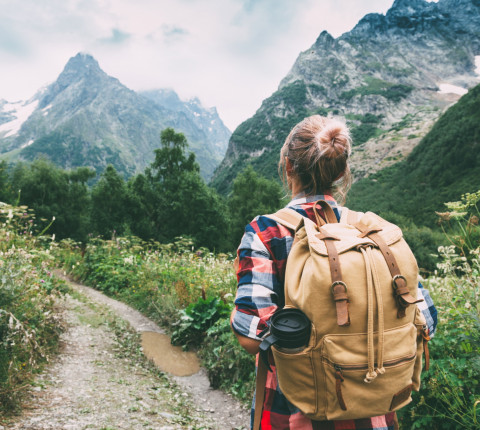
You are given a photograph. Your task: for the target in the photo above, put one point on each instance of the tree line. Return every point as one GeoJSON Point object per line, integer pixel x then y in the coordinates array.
{"type": "Point", "coordinates": [167, 200]}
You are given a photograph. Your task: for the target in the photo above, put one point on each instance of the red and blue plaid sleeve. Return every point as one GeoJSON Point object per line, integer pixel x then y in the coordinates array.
{"type": "Point", "coordinates": [262, 257]}
{"type": "Point", "coordinates": [428, 309]}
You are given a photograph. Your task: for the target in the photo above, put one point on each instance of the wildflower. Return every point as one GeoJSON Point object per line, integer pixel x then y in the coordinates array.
{"type": "Point", "coordinates": [473, 220]}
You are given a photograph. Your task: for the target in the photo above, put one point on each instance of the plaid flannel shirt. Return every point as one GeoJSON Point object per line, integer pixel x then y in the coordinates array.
{"type": "Point", "coordinates": [263, 254]}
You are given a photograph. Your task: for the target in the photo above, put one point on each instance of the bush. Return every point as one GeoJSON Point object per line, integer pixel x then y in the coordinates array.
{"type": "Point", "coordinates": [229, 366]}
{"type": "Point", "coordinates": [29, 325]}
{"type": "Point", "coordinates": [196, 319]}
{"type": "Point", "coordinates": [450, 393]}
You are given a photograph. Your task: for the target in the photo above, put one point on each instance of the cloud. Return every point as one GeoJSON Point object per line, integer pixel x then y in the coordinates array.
{"type": "Point", "coordinates": [11, 41]}
{"type": "Point", "coordinates": [232, 54]}
{"type": "Point", "coordinates": [173, 31]}
{"type": "Point", "coordinates": [118, 37]}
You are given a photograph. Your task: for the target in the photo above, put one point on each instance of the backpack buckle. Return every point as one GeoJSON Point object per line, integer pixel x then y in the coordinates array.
{"type": "Point", "coordinates": [335, 284]}
{"type": "Point", "coordinates": [341, 303]}
{"type": "Point", "coordinates": [394, 282]}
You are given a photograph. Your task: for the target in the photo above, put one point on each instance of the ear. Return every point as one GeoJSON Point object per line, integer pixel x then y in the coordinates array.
{"type": "Point", "coordinates": [288, 166]}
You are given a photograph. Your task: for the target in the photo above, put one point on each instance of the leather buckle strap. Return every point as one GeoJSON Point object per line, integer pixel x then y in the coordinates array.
{"type": "Point", "coordinates": [426, 338]}
{"type": "Point", "coordinates": [339, 293]}
{"type": "Point", "coordinates": [402, 295]}
{"type": "Point", "coordinates": [340, 297]}
{"type": "Point", "coordinates": [338, 288]}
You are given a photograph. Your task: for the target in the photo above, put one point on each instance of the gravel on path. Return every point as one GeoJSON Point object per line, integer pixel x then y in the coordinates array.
{"type": "Point", "coordinates": [97, 382]}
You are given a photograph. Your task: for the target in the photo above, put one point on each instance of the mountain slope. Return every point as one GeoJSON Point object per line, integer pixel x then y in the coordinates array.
{"type": "Point", "coordinates": [204, 123]}
{"type": "Point", "coordinates": [445, 165]}
{"type": "Point", "coordinates": [89, 118]}
{"type": "Point", "coordinates": [390, 78]}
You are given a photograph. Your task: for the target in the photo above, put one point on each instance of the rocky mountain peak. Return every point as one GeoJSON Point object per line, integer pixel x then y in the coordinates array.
{"type": "Point", "coordinates": [81, 70]}
{"type": "Point", "coordinates": [325, 40]}
{"type": "Point", "coordinates": [79, 66]}
{"type": "Point", "coordinates": [408, 6]}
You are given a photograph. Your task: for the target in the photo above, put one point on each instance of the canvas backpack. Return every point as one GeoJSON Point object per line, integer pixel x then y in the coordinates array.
{"type": "Point", "coordinates": [357, 282]}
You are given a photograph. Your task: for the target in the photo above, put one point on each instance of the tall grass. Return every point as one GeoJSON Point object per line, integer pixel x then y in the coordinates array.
{"type": "Point", "coordinates": [29, 325]}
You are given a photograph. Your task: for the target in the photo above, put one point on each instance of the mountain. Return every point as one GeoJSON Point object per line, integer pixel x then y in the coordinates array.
{"type": "Point", "coordinates": [390, 78]}
{"type": "Point", "coordinates": [87, 117]}
{"type": "Point", "coordinates": [442, 167]}
{"type": "Point", "coordinates": [205, 124]}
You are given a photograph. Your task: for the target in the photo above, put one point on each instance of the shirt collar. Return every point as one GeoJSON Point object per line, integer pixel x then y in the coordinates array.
{"type": "Point", "coordinates": [301, 198]}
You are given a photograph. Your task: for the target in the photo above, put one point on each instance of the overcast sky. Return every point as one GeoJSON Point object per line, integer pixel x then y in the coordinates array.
{"type": "Point", "coordinates": [232, 54]}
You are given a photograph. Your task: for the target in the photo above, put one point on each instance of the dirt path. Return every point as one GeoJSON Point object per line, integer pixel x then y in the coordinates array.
{"type": "Point", "coordinates": [101, 381]}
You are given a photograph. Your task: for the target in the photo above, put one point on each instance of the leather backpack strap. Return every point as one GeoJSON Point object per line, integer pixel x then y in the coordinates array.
{"type": "Point", "coordinates": [259, 394]}
{"type": "Point", "coordinates": [399, 283]}
{"type": "Point", "coordinates": [330, 217]}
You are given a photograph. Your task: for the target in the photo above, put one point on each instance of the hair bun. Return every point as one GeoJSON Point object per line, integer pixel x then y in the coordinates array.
{"type": "Point", "coordinates": [318, 149]}
{"type": "Point", "coordinates": [334, 138]}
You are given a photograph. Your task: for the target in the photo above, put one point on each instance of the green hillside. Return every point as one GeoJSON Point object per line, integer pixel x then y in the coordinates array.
{"type": "Point", "coordinates": [443, 166]}
{"type": "Point", "coordinates": [384, 77]}
{"type": "Point", "coordinates": [258, 140]}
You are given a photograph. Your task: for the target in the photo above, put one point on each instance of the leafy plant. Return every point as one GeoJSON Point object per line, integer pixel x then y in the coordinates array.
{"type": "Point", "coordinates": [451, 389]}
{"type": "Point", "coordinates": [29, 327]}
{"type": "Point", "coordinates": [196, 319]}
{"type": "Point", "coordinates": [461, 223]}
{"type": "Point", "coordinates": [228, 365]}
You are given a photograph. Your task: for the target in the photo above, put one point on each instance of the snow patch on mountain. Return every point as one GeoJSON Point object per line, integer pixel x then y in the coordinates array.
{"type": "Point", "coordinates": [22, 111]}
{"type": "Point", "coordinates": [477, 65]}
{"type": "Point", "coordinates": [27, 144]}
{"type": "Point", "coordinates": [449, 88]}
{"type": "Point", "coordinates": [46, 109]}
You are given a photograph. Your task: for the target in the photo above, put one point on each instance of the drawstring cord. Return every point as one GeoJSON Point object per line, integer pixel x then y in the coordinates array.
{"type": "Point", "coordinates": [371, 374]}
{"type": "Point", "coordinates": [381, 325]}
{"type": "Point", "coordinates": [373, 283]}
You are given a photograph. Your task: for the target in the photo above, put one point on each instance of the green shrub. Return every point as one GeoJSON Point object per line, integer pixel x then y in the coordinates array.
{"type": "Point", "coordinates": [196, 319]}
{"type": "Point", "coordinates": [451, 389]}
{"type": "Point", "coordinates": [229, 366]}
{"type": "Point", "coordinates": [29, 325]}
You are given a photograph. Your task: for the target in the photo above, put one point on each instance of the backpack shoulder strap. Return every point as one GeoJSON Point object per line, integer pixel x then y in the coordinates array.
{"type": "Point", "coordinates": [350, 217]}
{"type": "Point", "coordinates": [287, 217]}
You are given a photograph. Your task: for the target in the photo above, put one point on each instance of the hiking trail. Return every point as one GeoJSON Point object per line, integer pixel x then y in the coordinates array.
{"type": "Point", "coordinates": [100, 382]}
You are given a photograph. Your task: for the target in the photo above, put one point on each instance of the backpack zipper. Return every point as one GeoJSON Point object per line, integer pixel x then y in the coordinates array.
{"type": "Point", "coordinates": [389, 363]}
{"type": "Point", "coordinates": [339, 374]}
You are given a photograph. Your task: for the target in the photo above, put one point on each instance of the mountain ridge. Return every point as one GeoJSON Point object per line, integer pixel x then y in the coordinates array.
{"type": "Point", "coordinates": [87, 117]}
{"type": "Point", "coordinates": [390, 78]}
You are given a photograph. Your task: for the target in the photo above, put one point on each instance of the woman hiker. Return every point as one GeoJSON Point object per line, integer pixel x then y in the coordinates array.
{"type": "Point", "coordinates": [314, 161]}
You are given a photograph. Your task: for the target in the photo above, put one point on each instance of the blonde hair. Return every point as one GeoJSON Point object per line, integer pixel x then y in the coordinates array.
{"type": "Point", "coordinates": [318, 149]}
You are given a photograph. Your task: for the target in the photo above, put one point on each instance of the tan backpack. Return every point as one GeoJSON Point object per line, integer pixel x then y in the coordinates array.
{"type": "Point", "coordinates": [356, 280]}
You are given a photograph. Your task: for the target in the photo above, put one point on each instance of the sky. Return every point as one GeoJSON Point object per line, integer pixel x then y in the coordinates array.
{"type": "Point", "coordinates": [231, 54]}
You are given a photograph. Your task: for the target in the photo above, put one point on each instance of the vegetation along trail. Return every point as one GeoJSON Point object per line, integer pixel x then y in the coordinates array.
{"type": "Point", "coordinates": [101, 380]}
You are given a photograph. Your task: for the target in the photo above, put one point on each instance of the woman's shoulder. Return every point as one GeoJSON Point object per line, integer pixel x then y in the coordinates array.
{"type": "Point", "coordinates": [264, 225]}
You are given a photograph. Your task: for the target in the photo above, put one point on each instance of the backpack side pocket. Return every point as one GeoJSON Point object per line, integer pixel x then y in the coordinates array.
{"type": "Point", "coordinates": [422, 339]}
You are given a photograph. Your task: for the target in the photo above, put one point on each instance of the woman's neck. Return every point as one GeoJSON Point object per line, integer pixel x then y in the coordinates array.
{"type": "Point", "coordinates": [295, 187]}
